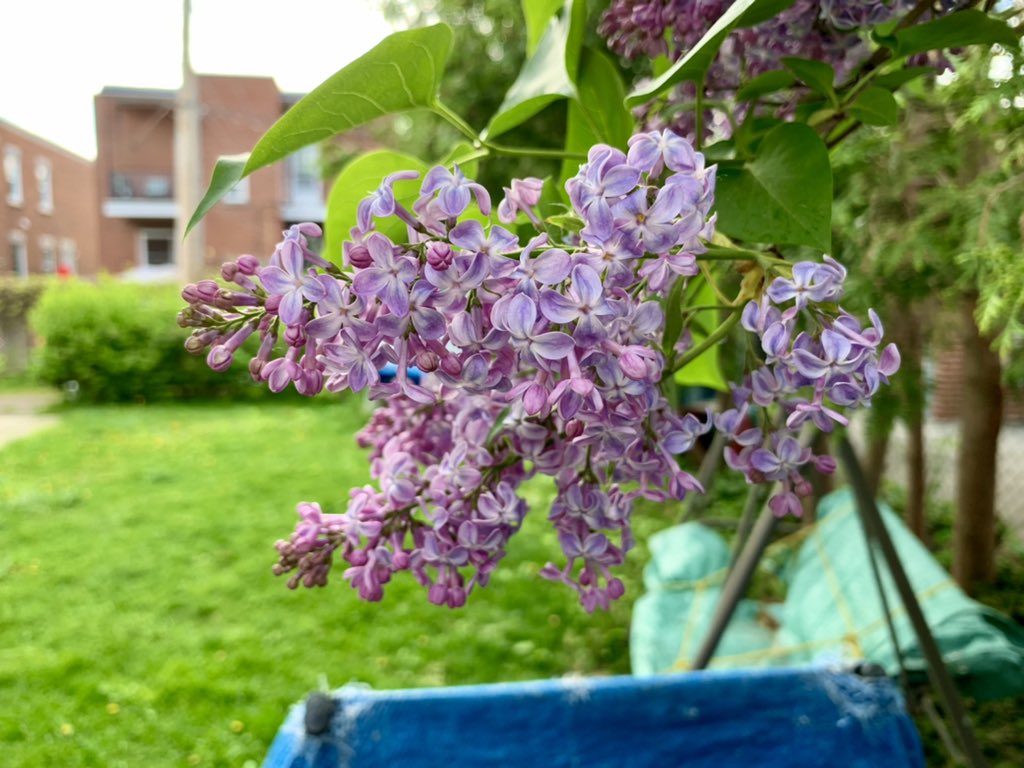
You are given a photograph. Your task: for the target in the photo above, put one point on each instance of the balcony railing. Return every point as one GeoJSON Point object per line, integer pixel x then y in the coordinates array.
{"type": "Point", "coordinates": [141, 186]}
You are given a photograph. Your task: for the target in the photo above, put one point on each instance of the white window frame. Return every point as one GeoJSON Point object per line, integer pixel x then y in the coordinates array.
{"type": "Point", "coordinates": [17, 238]}
{"type": "Point", "coordinates": [44, 172]}
{"type": "Point", "coordinates": [13, 177]}
{"type": "Point", "coordinates": [143, 249]}
{"type": "Point", "coordinates": [238, 194]}
{"type": "Point", "coordinates": [47, 245]}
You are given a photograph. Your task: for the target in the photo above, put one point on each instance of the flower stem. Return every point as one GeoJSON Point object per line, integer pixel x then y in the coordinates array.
{"type": "Point", "coordinates": [716, 336]}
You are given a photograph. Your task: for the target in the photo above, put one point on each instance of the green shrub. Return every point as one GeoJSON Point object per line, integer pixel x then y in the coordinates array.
{"type": "Point", "coordinates": [119, 342]}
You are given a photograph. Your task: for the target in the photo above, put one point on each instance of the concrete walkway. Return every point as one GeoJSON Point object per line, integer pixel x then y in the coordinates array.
{"type": "Point", "coordinates": [20, 414]}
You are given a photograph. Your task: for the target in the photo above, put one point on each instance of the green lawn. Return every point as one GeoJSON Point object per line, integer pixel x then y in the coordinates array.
{"type": "Point", "coordinates": [140, 624]}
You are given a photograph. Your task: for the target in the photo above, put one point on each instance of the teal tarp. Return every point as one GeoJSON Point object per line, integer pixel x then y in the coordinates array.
{"type": "Point", "coordinates": [832, 608]}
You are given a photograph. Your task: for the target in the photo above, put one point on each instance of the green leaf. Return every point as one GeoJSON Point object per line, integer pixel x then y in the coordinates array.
{"type": "Point", "coordinates": [704, 370]}
{"type": "Point", "coordinates": [227, 172]}
{"type": "Point", "coordinates": [401, 73]}
{"type": "Point", "coordinates": [875, 106]}
{"type": "Point", "coordinates": [769, 82]}
{"type": "Point", "coordinates": [537, 14]}
{"type": "Point", "coordinates": [784, 196]}
{"type": "Point", "coordinates": [599, 114]}
{"type": "Point", "coordinates": [816, 75]}
{"type": "Point", "coordinates": [960, 29]}
{"type": "Point", "coordinates": [893, 80]}
{"type": "Point", "coordinates": [576, 13]}
{"type": "Point", "coordinates": [542, 80]}
{"type": "Point", "coordinates": [694, 64]}
{"type": "Point", "coordinates": [356, 180]}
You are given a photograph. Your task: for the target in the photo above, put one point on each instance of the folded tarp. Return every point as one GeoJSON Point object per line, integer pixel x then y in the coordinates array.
{"type": "Point", "coordinates": [832, 608]}
{"type": "Point", "coordinates": [767, 718]}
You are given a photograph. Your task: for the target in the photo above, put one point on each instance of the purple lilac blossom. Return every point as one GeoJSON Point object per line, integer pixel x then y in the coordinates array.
{"type": "Point", "coordinates": [543, 358]}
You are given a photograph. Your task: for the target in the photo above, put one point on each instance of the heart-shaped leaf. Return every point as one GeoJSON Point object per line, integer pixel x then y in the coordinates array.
{"type": "Point", "coordinates": [359, 178]}
{"type": "Point", "coordinates": [875, 106]}
{"type": "Point", "coordinates": [784, 196]}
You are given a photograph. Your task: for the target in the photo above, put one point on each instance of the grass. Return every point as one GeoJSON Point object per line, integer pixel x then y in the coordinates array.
{"type": "Point", "coordinates": [139, 622]}
{"type": "Point", "coordinates": [140, 625]}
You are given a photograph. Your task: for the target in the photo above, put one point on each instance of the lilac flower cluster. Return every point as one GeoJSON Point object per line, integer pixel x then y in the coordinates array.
{"type": "Point", "coordinates": [806, 376]}
{"type": "Point", "coordinates": [824, 30]}
{"type": "Point", "coordinates": [540, 357]}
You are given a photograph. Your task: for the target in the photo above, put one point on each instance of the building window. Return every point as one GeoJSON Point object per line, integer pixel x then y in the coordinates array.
{"type": "Point", "coordinates": [18, 253]}
{"type": "Point", "coordinates": [304, 184]}
{"type": "Point", "coordinates": [156, 248]}
{"type": "Point", "coordinates": [12, 175]}
{"type": "Point", "coordinates": [68, 257]}
{"type": "Point", "coordinates": [44, 183]}
{"type": "Point", "coordinates": [47, 255]}
{"type": "Point", "coordinates": [238, 194]}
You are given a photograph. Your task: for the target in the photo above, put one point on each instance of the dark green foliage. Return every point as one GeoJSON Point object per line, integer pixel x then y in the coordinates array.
{"type": "Point", "coordinates": [120, 343]}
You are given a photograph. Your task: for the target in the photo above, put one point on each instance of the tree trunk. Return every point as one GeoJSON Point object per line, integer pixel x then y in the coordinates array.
{"type": "Point", "coordinates": [912, 347]}
{"type": "Point", "coordinates": [980, 420]}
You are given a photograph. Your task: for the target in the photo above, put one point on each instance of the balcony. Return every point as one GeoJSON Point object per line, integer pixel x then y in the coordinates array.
{"type": "Point", "coordinates": [140, 196]}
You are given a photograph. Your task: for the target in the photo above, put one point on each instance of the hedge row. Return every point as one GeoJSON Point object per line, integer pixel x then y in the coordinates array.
{"type": "Point", "coordinates": [118, 342]}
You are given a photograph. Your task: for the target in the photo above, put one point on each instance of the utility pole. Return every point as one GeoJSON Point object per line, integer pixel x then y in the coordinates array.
{"type": "Point", "coordinates": [188, 162]}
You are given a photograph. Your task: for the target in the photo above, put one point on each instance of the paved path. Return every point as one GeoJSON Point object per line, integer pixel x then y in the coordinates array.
{"type": "Point", "coordinates": [20, 414]}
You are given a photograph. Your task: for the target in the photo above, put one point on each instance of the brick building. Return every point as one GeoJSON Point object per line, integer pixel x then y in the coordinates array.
{"type": "Point", "coordinates": [47, 207]}
{"type": "Point", "coordinates": [135, 175]}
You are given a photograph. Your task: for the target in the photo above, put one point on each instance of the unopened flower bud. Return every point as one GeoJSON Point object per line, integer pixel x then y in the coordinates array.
{"type": "Point", "coordinates": [456, 597]}
{"type": "Point", "coordinates": [273, 302]}
{"type": "Point", "coordinates": [451, 365]}
{"type": "Point", "coordinates": [207, 290]}
{"type": "Point", "coordinates": [439, 255]}
{"type": "Point", "coordinates": [194, 344]}
{"type": "Point", "coordinates": [357, 557]}
{"type": "Point", "coordinates": [573, 428]}
{"type": "Point", "coordinates": [400, 560]}
{"type": "Point", "coordinates": [427, 361]}
{"type": "Point", "coordinates": [190, 293]}
{"type": "Point", "coordinates": [220, 358]}
{"type": "Point", "coordinates": [356, 254]}
{"type": "Point", "coordinates": [228, 270]}
{"type": "Point", "coordinates": [248, 265]}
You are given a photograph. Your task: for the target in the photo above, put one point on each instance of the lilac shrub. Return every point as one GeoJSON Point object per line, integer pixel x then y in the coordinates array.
{"type": "Point", "coordinates": [543, 357]}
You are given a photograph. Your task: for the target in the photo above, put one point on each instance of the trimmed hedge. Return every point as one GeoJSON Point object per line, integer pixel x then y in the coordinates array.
{"type": "Point", "coordinates": [120, 343]}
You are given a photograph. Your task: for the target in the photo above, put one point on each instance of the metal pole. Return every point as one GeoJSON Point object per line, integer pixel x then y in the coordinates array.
{"type": "Point", "coordinates": [735, 586]}
{"type": "Point", "coordinates": [937, 672]}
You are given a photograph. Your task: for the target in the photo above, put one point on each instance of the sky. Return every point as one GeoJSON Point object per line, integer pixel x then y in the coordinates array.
{"type": "Point", "coordinates": [57, 54]}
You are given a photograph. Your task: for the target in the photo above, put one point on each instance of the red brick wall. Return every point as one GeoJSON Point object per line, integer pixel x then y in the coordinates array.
{"type": "Point", "coordinates": [73, 216]}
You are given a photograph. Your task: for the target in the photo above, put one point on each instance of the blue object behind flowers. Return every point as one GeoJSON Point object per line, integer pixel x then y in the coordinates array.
{"type": "Point", "coordinates": [787, 717]}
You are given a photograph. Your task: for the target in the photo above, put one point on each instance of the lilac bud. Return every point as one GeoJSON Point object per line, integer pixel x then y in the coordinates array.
{"type": "Point", "coordinates": [358, 557]}
{"type": "Point", "coordinates": [228, 270]}
{"type": "Point", "coordinates": [248, 265]}
{"type": "Point", "coordinates": [427, 361]}
{"type": "Point", "coordinates": [439, 255]}
{"type": "Point", "coordinates": [357, 254]}
{"type": "Point", "coordinates": [295, 336]}
{"type": "Point", "coordinates": [220, 358]}
{"type": "Point", "coordinates": [190, 293]}
{"type": "Point", "coordinates": [573, 428]}
{"type": "Point", "coordinates": [451, 365]}
{"type": "Point", "coordinates": [400, 560]}
{"type": "Point", "coordinates": [456, 597]}
{"type": "Point", "coordinates": [207, 290]}
{"type": "Point", "coordinates": [438, 594]}
{"type": "Point", "coordinates": [273, 302]}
